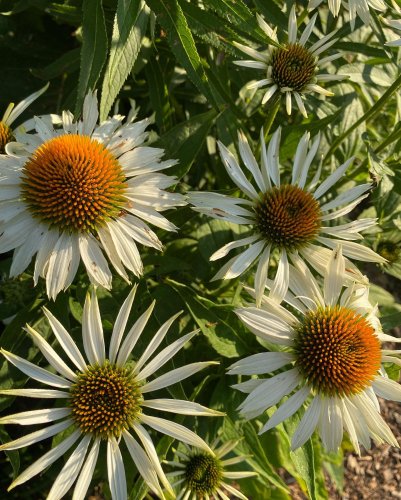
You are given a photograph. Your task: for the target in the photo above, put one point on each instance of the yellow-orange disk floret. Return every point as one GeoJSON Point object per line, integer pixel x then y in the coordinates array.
{"type": "Point", "coordinates": [293, 67]}
{"type": "Point", "coordinates": [105, 400]}
{"type": "Point", "coordinates": [6, 136]}
{"type": "Point", "coordinates": [337, 350]}
{"type": "Point", "coordinates": [288, 217]}
{"type": "Point", "coordinates": [74, 183]}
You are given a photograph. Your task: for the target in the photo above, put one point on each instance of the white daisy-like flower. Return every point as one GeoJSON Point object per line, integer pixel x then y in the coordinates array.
{"type": "Point", "coordinates": [201, 475]}
{"type": "Point", "coordinates": [291, 69]}
{"type": "Point", "coordinates": [288, 218]}
{"type": "Point", "coordinates": [396, 24]}
{"type": "Point", "coordinates": [106, 401]}
{"type": "Point", "coordinates": [355, 8]}
{"type": "Point", "coordinates": [12, 113]}
{"type": "Point", "coordinates": [331, 358]}
{"type": "Point", "coordinates": [82, 191]}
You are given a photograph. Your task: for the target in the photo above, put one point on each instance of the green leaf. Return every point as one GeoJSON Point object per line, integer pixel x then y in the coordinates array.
{"type": "Point", "coordinates": [130, 24]}
{"type": "Point", "coordinates": [172, 19]}
{"type": "Point", "coordinates": [13, 455]}
{"type": "Point", "coordinates": [67, 63]}
{"type": "Point", "coordinates": [185, 140]}
{"type": "Point", "coordinates": [224, 339]}
{"type": "Point", "coordinates": [93, 51]}
{"type": "Point", "coordinates": [158, 94]}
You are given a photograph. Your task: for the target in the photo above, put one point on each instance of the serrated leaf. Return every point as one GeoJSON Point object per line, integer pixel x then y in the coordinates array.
{"type": "Point", "coordinates": [93, 51]}
{"type": "Point", "coordinates": [185, 140]}
{"type": "Point", "coordinates": [172, 19]}
{"type": "Point", "coordinates": [130, 24]}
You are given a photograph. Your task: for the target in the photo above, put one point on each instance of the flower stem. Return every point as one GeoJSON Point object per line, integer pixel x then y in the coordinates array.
{"type": "Point", "coordinates": [274, 104]}
{"type": "Point", "coordinates": [368, 115]}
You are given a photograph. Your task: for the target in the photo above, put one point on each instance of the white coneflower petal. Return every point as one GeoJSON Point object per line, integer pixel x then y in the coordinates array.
{"type": "Point", "coordinates": [133, 335]}
{"type": "Point", "coordinates": [36, 372]}
{"type": "Point", "coordinates": [86, 473]}
{"type": "Point", "coordinates": [333, 352]}
{"type": "Point", "coordinates": [37, 436]}
{"type": "Point", "coordinates": [291, 68]}
{"type": "Point", "coordinates": [285, 220]}
{"type": "Point", "coordinates": [174, 376]}
{"type": "Point", "coordinates": [46, 460]}
{"type": "Point", "coordinates": [175, 430]}
{"type": "Point", "coordinates": [65, 340]}
{"type": "Point", "coordinates": [71, 219]}
{"type": "Point", "coordinates": [70, 471]}
{"type": "Point", "coordinates": [106, 399]}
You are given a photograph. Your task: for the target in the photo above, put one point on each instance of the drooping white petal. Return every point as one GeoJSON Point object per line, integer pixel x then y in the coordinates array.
{"type": "Point", "coordinates": [281, 280]}
{"type": "Point", "coordinates": [332, 179]}
{"type": "Point", "coordinates": [273, 157]}
{"type": "Point", "coordinates": [59, 265]}
{"type": "Point", "coordinates": [165, 355]}
{"type": "Point", "coordinates": [35, 393]}
{"type": "Point", "coordinates": [334, 277]}
{"type": "Point", "coordinates": [307, 424]}
{"type": "Point", "coordinates": [90, 113]}
{"type": "Point", "coordinates": [261, 274]}
{"type": "Point", "coordinates": [181, 406]}
{"type": "Point", "coordinates": [90, 335]}
{"type": "Point", "coordinates": [143, 463]}
{"type": "Point", "coordinates": [46, 460]}
{"type": "Point", "coordinates": [265, 325]}
{"type": "Point", "coordinates": [115, 471]}
{"type": "Point", "coordinates": [235, 172]}
{"type": "Point", "coordinates": [13, 113]}
{"type": "Point", "coordinates": [70, 471]}
{"type": "Point", "coordinates": [66, 341]}
{"type": "Point", "coordinates": [270, 392]}
{"type": "Point", "coordinates": [152, 454]}
{"type": "Point", "coordinates": [173, 376]}
{"type": "Point", "coordinates": [387, 388]}
{"type": "Point", "coordinates": [257, 364]}
{"type": "Point", "coordinates": [224, 250]}
{"type": "Point", "coordinates": [37, 436]}
{"type": "Point", "coordinates": [177, 431]}
{"type": "Point", "coordinates": [36, 372]}
{"type": "Point", "coordinates": [36, 416]}
{"type": "Point", "coordinates": [133, 335]}
{"type": "Point", "coordinates": [240, 263]}
{"type": "Point", "coordinates": [120, 324]}
{"type": "Point", "coordinates": [86, 473]}
{"type": "Point", "coordinates": [331, 423]}
{"type": "Point", "coordinates": [94, 261]}
{"type": "Point", "coordinates": [50, 354]}
{"type": "Point", "coordinates": [286, 409]}
{"type": "Point", "coordinates": [250, 161]}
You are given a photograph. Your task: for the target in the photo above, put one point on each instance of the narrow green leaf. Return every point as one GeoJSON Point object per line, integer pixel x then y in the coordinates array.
{"type": "Point", "coordinates": [130, 24]}
{"type": "Point", "coordinates": [185, 140]}
{"type": "Point", "coordinates": [67, 63]}
{"type": "Point", "coordinates": [93, 51]}
{"type": "Point", "coordinates": [172, 19]}
{"type": "Point", "coordinates": [158, 94]}
{"type": "Point", "coordinates": [13, 455]}
{"type": "Point", "coordinates": [222, 337]}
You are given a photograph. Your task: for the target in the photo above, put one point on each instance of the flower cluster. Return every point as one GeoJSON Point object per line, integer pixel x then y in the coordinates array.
{"type": "Point", "coordinates": [78, 198]}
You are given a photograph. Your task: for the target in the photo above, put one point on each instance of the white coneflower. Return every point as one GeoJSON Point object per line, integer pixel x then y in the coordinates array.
{"type": "Point", "coordinates": [81, 191]}
{"type": "Point", "coordinates": [291, 69]}
{"type": "Point", "coordinates": [11, 114]}
{"type": "Point", "coordinates": [106, 400]}
{"type": "Point", "coordinates": [355, 8]}
{"type": "Point", "coordinates": [201, 475]}
{"type": "Point", "coordinates": [287, 216]}
{"type": "Point", "coordinates": [331, 358]}
{"type": "Point", "coordinates": [396, 24]}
